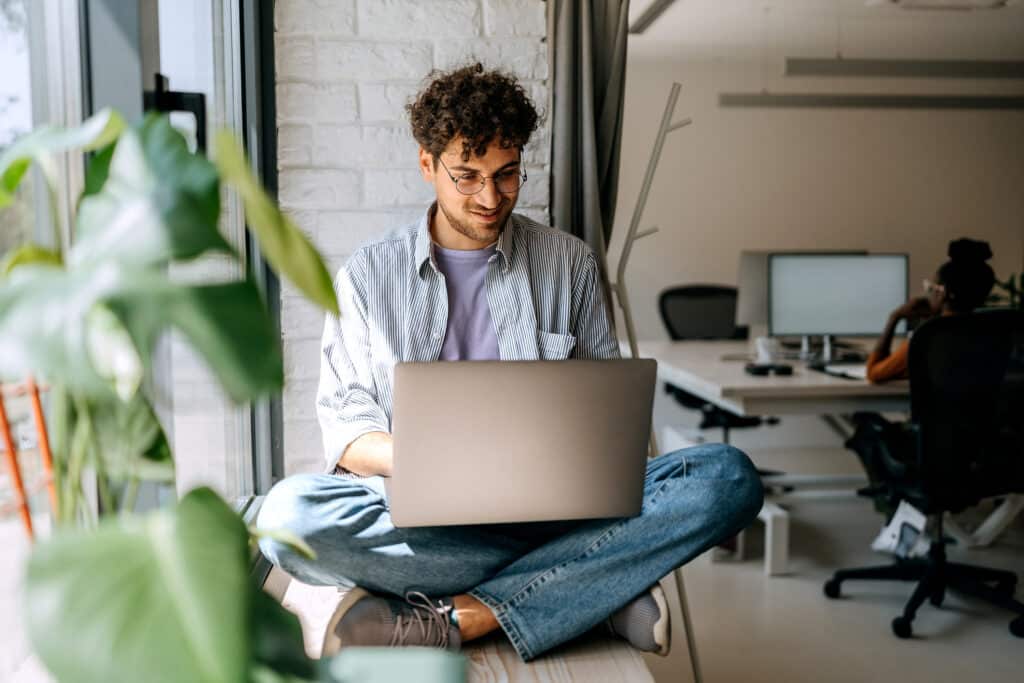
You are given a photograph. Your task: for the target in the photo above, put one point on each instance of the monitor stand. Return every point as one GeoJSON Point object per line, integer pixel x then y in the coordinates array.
{"type": "Point", "coordinates": [805, 348]}
{"type": "Point", "coordinates": [827, 353]}
{"type": "Point", "coordinates": [827, 348]}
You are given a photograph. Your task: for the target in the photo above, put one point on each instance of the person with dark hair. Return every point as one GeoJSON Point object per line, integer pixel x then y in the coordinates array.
{"type": "Point", "coordinates": [960, 285]}
{"type": "Point", "coordinates": [471, 280]}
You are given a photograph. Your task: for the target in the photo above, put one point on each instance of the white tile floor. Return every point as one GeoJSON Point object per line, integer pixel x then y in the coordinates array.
{"type": "Point", "coordinates": [750, 627]}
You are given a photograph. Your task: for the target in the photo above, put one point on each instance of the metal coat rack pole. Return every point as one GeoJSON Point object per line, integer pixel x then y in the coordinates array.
{"type": "Point", "coordinates": [622, 296]}
{"type": "Point", "coordinates": [619, 286]}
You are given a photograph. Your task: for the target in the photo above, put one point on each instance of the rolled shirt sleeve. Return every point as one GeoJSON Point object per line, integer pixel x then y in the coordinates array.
{"type": "Point", "coordinates": [347, 400]}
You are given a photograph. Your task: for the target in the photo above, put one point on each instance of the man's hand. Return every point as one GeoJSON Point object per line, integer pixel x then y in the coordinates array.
{"type": "Point", "coordinates": [369, 455]}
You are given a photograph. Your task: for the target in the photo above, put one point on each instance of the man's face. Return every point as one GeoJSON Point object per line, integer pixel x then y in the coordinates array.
{"type": "Point", "coordinates": [472, 221]}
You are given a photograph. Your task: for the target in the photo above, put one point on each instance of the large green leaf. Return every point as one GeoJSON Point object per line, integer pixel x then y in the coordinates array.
{"type": "Point", "coordinates": [159, 202]}
{"type": "Point", "coordinates": [227, 324]}
{"type": "Point", "coordinates": [390, 665]}
{"type": "Point", "coordinates": [43, 312]}
{"type": "Point", "coordinates": [51, 324]}
{"type": "Point", "coordinates": [26, 254]}
{"type": "Point", "coordinates": [277, 637]}
{"type": "Point", "coordinates": [41, 144]}
{"type": "Point", "coordinates": [160, 599]}
{"type": "Point", "coordinates": [130, 442]}
{"type": "Point", "coordinates": [97, 169]}
{"type": "Point", "coordinates": [283, 244]}
{"type": "Point", "coordinates": [153, 203]}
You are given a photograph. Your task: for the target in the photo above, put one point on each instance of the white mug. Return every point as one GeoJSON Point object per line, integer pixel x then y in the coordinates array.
{"type": "Point", "coordinates": [767, 348]}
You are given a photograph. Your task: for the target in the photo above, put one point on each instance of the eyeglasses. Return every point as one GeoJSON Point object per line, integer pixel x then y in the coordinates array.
{"type": "Point", "coordinates": [506, 182]}
{"type": "Point", "coordinates": [930, 287]}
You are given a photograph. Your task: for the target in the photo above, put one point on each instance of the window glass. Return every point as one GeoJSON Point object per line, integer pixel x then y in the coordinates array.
{"type": "Point", "coordinates": [211, 437]}
{"type": "Point", "coordinates": [17, 225]}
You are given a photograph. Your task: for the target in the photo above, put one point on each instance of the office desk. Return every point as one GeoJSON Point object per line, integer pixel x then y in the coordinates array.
{"type": "Point", "coordinates": [713, 370]}
{"type": "Point", "coordinates": [699, 368]}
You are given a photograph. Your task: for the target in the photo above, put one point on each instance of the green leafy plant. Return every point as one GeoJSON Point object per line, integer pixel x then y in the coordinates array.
{"type": "Point", "coordinates": [87, 319]}
{"type": "Point", "coordinates": [164, 597]}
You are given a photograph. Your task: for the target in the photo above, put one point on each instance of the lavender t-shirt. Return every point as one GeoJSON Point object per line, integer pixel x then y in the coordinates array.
{"type": "Point", "coordinates": [470, 334]}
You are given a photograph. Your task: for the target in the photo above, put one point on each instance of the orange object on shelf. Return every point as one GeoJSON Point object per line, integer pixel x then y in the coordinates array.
{"type": "Point", "coordinates": [30, 388]}
{"type": "Point", "coordinates": [44, 441]}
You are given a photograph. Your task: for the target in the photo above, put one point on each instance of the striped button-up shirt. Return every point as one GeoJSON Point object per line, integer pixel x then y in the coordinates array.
{"type": "Point", "coordinates": [545, 297]}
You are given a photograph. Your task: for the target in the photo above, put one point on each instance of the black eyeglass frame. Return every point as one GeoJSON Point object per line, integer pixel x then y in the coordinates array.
{"type": "Point", "coordinates": [483, 180]}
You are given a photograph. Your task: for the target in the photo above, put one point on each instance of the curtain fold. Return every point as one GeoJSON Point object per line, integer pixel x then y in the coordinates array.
{"type": "Point", "coordinates": [588, 88]}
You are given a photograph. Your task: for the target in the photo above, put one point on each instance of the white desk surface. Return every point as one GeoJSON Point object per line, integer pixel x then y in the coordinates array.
{"type": "Point", "coordinates": [699, 368]}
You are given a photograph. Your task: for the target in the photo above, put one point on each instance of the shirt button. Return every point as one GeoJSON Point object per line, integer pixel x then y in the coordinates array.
{"type": "Point", "coordinates": [437, 336]}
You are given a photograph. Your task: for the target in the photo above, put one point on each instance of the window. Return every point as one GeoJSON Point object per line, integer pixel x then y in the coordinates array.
{"type": "Point", "coordinates": [15, 114]}
{"type": "Point", "coordinates": [19, 223]}
{"type": "Point", "coordinates": [211, 438]}
{"type": "Point", "coordinates": [197, 45]}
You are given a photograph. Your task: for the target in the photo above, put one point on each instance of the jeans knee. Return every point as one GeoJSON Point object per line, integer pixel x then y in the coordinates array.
{"type": "Point", "coordinates": [283, 505]}
{"type": "Point", "coordinates": [284, 509]}
{"type": "Point", "coordinates": [746, 492]}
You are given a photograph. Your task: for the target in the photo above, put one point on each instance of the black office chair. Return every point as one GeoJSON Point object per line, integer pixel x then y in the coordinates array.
{"type": "Point", "coordinates": [966, 443]}
{"type": "Point", "coordinates": [705, 312]}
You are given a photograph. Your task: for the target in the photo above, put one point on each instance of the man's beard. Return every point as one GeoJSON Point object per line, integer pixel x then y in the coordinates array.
{"type": "Point", "coordinates": [474, 233]}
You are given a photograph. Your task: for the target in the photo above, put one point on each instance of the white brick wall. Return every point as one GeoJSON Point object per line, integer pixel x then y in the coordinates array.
{"type": "Point", "coordinates": [347, 161]}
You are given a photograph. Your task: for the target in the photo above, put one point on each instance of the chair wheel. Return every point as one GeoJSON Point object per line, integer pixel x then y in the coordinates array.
{"type": "Point", "coordinates": [902, 628]}
{"type": "Point", "coordinates": [937, 597]}
{"type": "Point", "coordinates": [1017, 627]}
{"type": "Point", "coordinates": [832, 588]}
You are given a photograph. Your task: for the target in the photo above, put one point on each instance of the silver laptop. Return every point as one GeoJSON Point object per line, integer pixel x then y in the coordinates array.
{"type": "Point", "coordinates": [490, 442]}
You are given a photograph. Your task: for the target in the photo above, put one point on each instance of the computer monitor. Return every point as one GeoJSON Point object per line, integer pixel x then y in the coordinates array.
{"type": "Point", "coordinates": [845, 295]}
{"type": "Point", "coordinates": [752, 283]}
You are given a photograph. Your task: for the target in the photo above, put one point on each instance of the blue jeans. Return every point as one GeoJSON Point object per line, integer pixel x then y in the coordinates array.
{"type": "Point", "coordinates": [545, 582]}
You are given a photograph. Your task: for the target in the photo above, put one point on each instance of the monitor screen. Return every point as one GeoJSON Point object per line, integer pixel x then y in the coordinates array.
{"type": "Point", "coordinates": [837, 294]}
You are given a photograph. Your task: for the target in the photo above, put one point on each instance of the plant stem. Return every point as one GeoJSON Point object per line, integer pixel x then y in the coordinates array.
{"type": "Point", "coordinates": [92, 448]}
{"type": "Point", "coordinates": [58, 234]}
{"type": "Point", "coordinates": [130, 496]}
{"type": "Point", "coordinates": [75, 463]}
{"type": "Point", "coordinates": [59, 420]}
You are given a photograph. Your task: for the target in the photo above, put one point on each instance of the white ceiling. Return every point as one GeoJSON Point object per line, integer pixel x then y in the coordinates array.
{"type": "Point", "coordinates": [761, 29]}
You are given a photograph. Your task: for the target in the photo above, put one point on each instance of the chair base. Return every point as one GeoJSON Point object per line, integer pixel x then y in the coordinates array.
{"type": "Point", "coordinates": [934, 576]}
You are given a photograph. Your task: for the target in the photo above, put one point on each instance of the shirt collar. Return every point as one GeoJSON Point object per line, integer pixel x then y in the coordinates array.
{"type": "Point", "coordinates": [425, 252]}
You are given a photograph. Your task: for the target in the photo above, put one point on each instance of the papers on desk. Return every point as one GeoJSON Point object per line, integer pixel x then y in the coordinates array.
{"type": "Point", "coordinates": [851, 371]}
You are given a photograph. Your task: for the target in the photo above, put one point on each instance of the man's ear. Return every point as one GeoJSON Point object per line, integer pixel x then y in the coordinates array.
{"type": "Point", "coordinates": [427, 165]}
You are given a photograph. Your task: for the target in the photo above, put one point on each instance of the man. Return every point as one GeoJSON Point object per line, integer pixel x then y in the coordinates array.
{"type": "Point", "coordinates": [473, 281]}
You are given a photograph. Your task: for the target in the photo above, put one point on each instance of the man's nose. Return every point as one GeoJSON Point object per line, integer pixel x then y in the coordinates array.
{"type": "Point", "coordinates": [489, 197]}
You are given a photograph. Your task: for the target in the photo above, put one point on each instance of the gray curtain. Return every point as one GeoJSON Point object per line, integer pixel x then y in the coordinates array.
{"type": "Point", "coordinates": [589, 77]}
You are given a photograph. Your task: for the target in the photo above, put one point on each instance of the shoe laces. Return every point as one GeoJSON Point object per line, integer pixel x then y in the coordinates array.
{"type": "Point", "coordinates": [426, 618]}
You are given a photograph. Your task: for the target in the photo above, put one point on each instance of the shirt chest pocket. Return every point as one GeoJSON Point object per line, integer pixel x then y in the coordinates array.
{"type": "Point", "coordinates": [552, 346]}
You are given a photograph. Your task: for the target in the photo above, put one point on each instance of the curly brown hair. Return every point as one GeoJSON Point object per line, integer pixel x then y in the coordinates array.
{"type": "Point", "coordinates": [478, 105]}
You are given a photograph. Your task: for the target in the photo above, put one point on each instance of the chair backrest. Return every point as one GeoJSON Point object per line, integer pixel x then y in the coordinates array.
{"type": "Point", "coordinates": [962, 398]}
{"type": "Point", "coordinates": [700, 312]}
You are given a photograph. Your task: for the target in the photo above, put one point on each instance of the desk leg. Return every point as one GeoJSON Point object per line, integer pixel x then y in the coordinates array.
{"type": "Point", "coordinates": [990, 529]}
{"type": "Point", "coordinates": [840, 424]}
{"type": "Point", "coordinates": [776, 538]}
